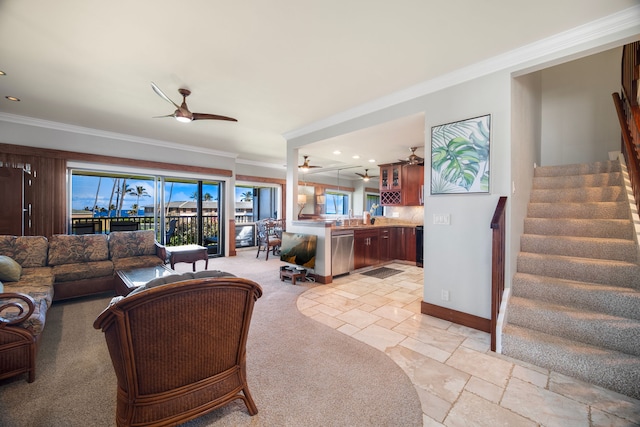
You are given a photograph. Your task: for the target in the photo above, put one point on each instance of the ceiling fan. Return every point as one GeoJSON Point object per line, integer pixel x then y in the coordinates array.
{"type": "Point", "coordinates": [304, 167]}
{"type": "Point", "coordinates": [366, 176]}
{"type": "Point", "coordinates": [182, 113]}
{"type": "Point", "coordinates": [413, 159]}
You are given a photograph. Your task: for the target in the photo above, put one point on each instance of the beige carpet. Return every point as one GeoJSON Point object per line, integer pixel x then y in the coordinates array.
{"type": "Point", "coordinates": [300, 372]}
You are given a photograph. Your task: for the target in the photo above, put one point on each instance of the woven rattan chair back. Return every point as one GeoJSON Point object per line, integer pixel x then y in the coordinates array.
{"type": "Point", "coordinates": [179, 350]}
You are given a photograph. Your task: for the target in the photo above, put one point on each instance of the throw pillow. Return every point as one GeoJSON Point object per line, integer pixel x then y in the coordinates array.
{"type": "Point", "coordinates": [10, 270]}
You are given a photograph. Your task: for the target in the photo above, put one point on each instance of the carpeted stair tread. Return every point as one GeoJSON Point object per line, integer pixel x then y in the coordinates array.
{"type": "Point", "coordinates": [578, 169]}
{"type": "Point", "coordinates": [611, 228]}
{"type": "Point", "coordinates": [616, 273]}
{"type": "Point", "coordinates": [614, 300]}
{"type": "Point", "coordinates": [599, 329]}
{"type": "Point", "coordinates": [572, 181]}
{"type": "Point", "coordinates": [575, 299]}
{"type": "Point", "coordinates": [607, 368]}
{"type": "Point", "coordinates": [590, 210]}
{"type": "Point", "coordinates": [582, 247]}
{"type": "Point", "coordinates": [580, 194]}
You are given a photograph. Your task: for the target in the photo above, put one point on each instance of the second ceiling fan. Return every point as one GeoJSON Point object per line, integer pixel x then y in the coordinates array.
{"type": "Point", "coordinates": [366, 177]}
{"type": "Point", "coordinates": [182, 113]}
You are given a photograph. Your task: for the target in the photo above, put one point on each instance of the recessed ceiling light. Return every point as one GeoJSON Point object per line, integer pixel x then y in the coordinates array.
{"type": "Point", "coordinates": [372, 160]}
{"type": "Point", "coordinates": [356, 157]}
{"type": "Point", "coordinates": [337, 152]}
{"type": "Point", "coordinates": [2, 73]}
{"type": "Point", "coordinates": [12, 98]}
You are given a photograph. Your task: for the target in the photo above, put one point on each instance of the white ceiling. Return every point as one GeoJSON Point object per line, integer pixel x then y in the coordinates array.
{"type": "Point", "coordinates": [277, 66]}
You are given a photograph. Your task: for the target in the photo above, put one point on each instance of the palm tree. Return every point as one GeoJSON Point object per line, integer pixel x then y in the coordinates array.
{"type": "Point", "coordinates": [207, 197]}
{"type": "Point", "coordinates": [247, 196]}
{"type": "Point", "coordinates": [95, 203]}
{"type": "Point", "coordinates": [116, 182]}
{"type": "Point", "coordinates": [139, 191]}
{"type": "Point", "coordinates": [122, 192]}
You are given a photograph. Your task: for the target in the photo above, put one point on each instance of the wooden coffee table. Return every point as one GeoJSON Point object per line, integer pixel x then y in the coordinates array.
{"type": "Point", "coordinates": [136, 277]}
{"type": "Point", "coordinates": [188, 253]}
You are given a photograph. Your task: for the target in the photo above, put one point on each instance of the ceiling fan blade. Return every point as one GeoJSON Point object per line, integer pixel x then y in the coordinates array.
{"type": "Point", "coordinates": [359, 174]}
{"type": "Point", "coordinates": [161, 94]}
{"type": "Point", "coordinates": [160, 117]}
{"type": "Point", "coordinates": [201, 116]}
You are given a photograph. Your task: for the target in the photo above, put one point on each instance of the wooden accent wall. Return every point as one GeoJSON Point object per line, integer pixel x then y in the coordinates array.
{"type": "Point", "coordinates": [47, 194]}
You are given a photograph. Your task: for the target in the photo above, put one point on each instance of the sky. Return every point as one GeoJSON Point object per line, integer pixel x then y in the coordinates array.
{"type": "Point", "coordinates": [84, 192]}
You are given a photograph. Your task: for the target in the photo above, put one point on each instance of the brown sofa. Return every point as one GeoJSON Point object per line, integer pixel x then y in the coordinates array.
{"type": "Point", "coordinates": [62, 267]}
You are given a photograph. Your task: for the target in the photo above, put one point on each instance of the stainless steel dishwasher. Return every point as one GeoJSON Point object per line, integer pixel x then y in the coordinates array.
{"type": "Point", "coordinates": [341, 252]}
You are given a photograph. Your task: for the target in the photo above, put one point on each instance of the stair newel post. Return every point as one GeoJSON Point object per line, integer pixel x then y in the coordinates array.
{"type": "Point", "coordinates": [497, 264]}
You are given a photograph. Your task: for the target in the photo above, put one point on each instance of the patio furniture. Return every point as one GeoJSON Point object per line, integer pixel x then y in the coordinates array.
{"type": "Point", "coordinates": [179, 349]}
{"type": "Point", "coordinates": [124, 226]}
{"type": "Point", "coordinates": [171, 231]}
{"type": "Point", "coordinates": [91, 227]}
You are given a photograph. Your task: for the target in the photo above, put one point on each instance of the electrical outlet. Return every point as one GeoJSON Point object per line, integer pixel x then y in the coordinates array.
{"type": "Point", "coordinates": [444, 295]}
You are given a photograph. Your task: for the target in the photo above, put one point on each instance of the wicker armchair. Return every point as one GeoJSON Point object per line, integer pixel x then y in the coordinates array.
{"type": "Point", "coordinates": [179, 350]}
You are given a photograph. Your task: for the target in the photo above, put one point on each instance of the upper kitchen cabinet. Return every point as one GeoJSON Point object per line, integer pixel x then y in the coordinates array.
{"type": "Point", "coordinates": [401, 185]}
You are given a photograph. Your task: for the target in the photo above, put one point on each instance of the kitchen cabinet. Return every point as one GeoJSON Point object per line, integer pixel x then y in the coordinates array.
{"type": "Point", "coordinates": [401, 185]}
{"type": "Point", "coordinates": [365, 248]}
{"type": "Point", "coordinates": [403, 243]}
{"type": "Point", "coordinates": [391, 177]}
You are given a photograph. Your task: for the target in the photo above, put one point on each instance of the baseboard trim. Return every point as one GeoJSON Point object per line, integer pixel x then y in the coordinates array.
{"type": "Point", "coordinates": [464, 319]}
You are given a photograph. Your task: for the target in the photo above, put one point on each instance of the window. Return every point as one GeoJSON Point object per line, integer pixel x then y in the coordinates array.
{"type": "Point", "coordinates": [374, 199]}
{"type": "Point", "coordinates": [182, 211]}
{"type": "Point", "coordinates": [337, 203]}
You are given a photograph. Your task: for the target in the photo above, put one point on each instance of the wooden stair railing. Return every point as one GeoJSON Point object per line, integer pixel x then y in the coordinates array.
{"type": "Point", "coordinates": [628, 112]}
{"type": "Point", "coordinates": [498, 224]}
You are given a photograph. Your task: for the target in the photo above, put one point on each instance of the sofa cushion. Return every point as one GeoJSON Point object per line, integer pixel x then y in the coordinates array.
{"type": "Point", "coordinates": [136, 262]}
{"type": "Point", "coordinates": [28, 251]}
{"type": "Point", "coordinates": [126, 244]}
{"type": "Point", "coordinates": [10, 270]}
{"type": "Point", "coordinates": [72, 249]}
{"type": "Point", "coordinates": [82, 270]}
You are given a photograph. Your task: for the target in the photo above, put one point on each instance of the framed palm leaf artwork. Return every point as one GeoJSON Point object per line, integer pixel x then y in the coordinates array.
{"type": "Point", "coordinates": [460, 156]}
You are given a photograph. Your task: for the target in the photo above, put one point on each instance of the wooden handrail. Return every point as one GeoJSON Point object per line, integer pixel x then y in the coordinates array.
{"type": "Point", "coordinates": [498, 225]}
{"type": "Point", "coordinates": [628, 112]}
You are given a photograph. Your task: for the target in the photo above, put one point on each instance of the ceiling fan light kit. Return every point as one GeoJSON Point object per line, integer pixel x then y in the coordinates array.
{"type": "Point", "coordinates": [413, 159]}
{"type": "Point", "coordinates": [304, 167]}
{"type": "Point", "coordinates": [182, 113]}
{"type": "Point", "coordinates": [366, 177]}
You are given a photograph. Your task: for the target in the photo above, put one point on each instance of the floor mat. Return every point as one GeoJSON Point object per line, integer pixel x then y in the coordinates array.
{"type": "Point", "coordinates": [382, 272]}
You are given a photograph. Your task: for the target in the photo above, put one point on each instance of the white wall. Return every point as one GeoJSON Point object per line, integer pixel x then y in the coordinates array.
{"type": "Point", "coordinates": [457, 257]}
{"type": "Point", "coordinates": [579, 122]}
{"type": "Point", "coordinates": [525, 151]}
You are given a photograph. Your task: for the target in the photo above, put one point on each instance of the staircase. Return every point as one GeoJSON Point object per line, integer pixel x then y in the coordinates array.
{"type": "Point", "coordinates": [575, 300]}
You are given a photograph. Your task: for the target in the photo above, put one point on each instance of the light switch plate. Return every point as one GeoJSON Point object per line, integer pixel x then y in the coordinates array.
{"type": "Point", "coordinates": [442, 219]}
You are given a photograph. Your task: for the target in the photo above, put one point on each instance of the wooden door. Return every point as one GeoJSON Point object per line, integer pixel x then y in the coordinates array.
{"type": "Point", "coordinates": [11, 194]}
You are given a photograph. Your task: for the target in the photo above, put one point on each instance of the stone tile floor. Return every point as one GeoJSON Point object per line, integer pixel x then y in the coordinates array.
{"type": "Point", "coordinates": [460, 382]}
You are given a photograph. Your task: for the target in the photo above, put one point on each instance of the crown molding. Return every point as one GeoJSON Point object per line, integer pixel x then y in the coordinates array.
{"type": "Point", "coordinates": [615, 27]}
{"type": "Point", "coordinates": [30, 121]}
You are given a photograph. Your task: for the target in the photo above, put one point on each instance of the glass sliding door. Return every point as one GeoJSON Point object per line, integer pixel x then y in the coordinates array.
{"type": "Point", "coordinates": [182, 211]}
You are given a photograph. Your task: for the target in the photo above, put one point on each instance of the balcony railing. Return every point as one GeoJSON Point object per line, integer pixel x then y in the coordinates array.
{"type": "Point", "coordinates": [185, 230]}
